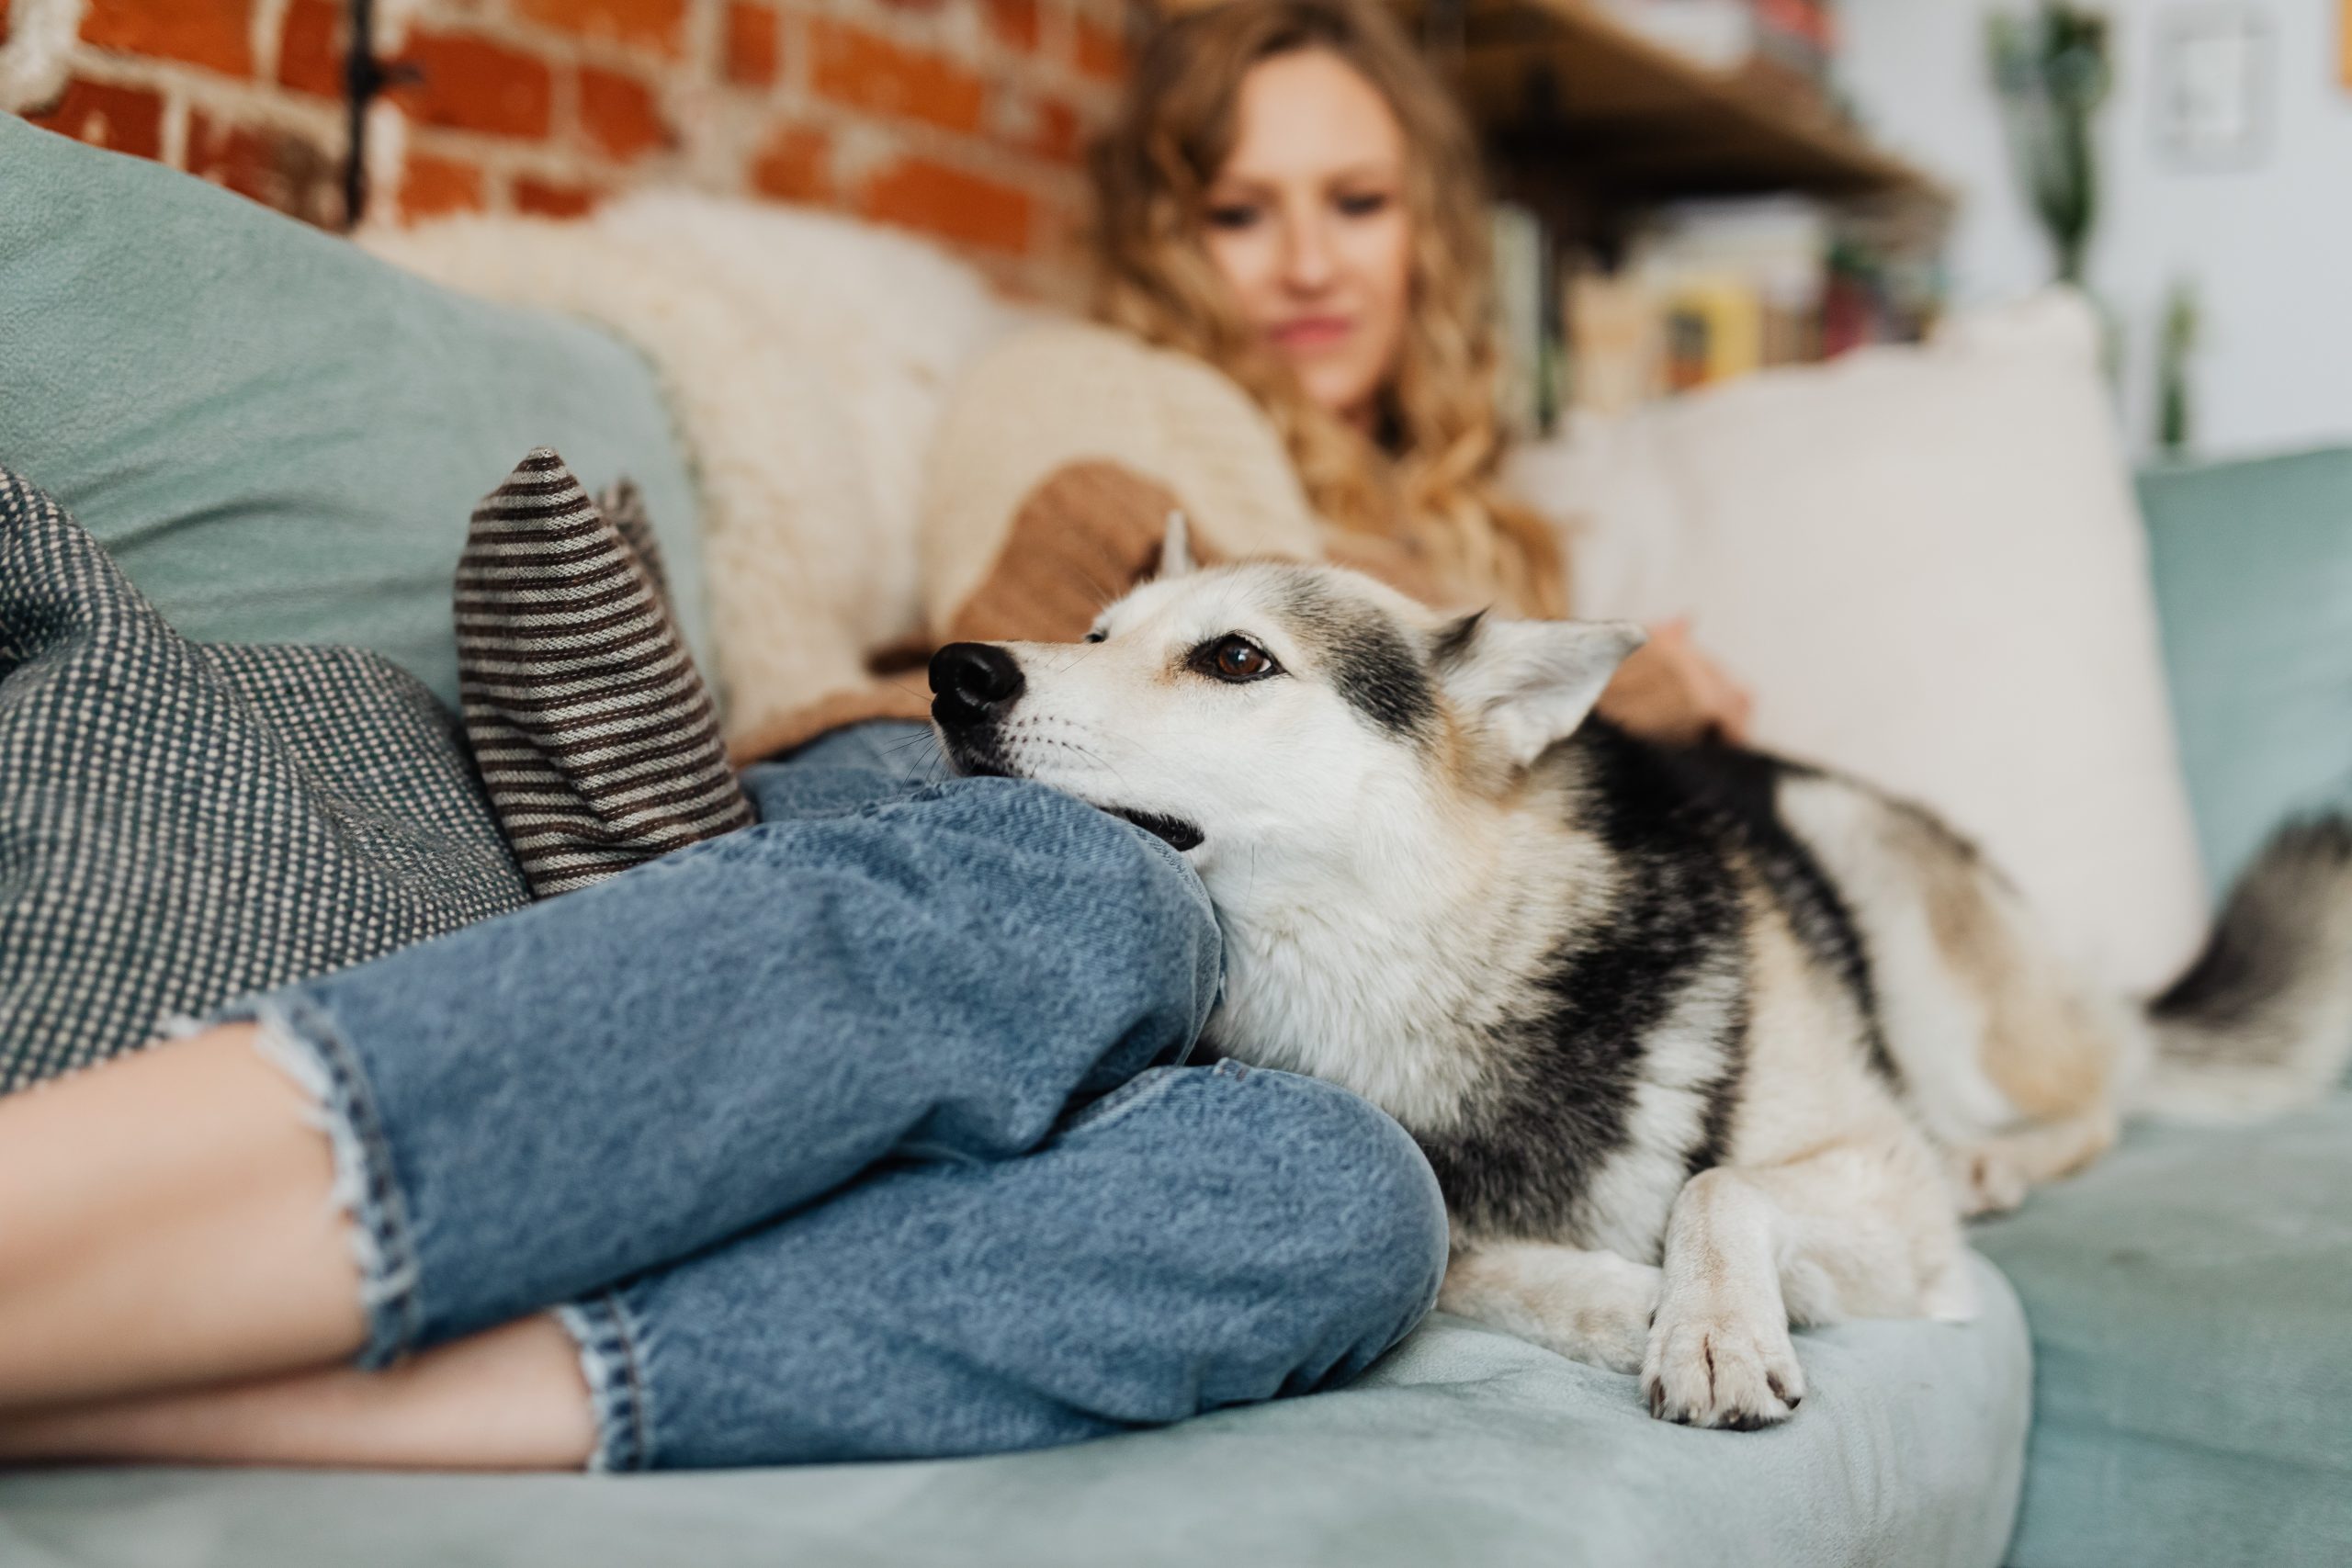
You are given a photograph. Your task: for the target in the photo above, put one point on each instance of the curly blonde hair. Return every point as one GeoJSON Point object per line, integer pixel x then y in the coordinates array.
{"type": "Point", "coordinates": [1427, 479]}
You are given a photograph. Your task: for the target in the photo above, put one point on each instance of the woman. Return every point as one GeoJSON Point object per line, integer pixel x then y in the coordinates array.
{"type": "Point", "coordinates": [856, 1133]}
{"type": "Point", "coordinates": [1291, 199]}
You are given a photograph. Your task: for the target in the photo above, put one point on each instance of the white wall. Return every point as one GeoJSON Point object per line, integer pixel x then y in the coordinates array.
{"type": "Point", "coordinates": [2270, 246]}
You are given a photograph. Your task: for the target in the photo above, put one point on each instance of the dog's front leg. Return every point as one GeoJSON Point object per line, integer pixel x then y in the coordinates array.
{"type": "Point", "coordinates": [1719, 1354]}
{"type": "Point", "coordinates": [1590, 1306]}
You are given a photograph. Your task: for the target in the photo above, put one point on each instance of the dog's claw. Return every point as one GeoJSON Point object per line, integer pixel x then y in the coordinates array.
{"type": "Point", "coordinates": [1723, 1371]}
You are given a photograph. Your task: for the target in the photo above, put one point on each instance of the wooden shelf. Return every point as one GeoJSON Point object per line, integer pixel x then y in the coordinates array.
{"type": "Point", "coordinates": [1564, 88]}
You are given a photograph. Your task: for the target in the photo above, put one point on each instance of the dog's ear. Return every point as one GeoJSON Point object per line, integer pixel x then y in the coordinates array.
{"type": "Point", "coordinates": [1176, 546]}
{"type": "Point", "coordinates": [1530, 683]}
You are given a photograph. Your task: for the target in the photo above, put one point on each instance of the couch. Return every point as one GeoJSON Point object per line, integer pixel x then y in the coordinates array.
{"type": "Point", "coordinates": [280, 438]}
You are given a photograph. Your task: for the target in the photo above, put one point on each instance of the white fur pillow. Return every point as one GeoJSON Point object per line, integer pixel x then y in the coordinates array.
{"type": "Point", "coordinates": [1930, 565]}
{"type": "Point", "coordinates": [807, 359]}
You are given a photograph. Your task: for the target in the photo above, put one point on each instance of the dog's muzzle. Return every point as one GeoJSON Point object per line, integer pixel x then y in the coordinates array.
{"type": "Point", "coordinates": [972, 684]}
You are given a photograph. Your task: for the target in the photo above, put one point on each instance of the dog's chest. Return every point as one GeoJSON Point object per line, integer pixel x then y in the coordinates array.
{"type": "Point", "coordinates": [1345, 993]}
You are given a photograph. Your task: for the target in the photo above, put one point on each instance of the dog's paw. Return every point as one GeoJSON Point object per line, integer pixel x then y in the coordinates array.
{"type": "Point", "coordinates": [1985, 1181]}
{"type": "Point", "coordinates": [1722, 1370]}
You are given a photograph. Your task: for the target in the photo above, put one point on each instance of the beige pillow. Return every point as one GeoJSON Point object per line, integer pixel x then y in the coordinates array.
{"type": "Point", "coordinates": [1930, 565]}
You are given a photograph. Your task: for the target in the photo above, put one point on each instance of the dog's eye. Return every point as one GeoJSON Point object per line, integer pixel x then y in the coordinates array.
{"type": "Point", "coordinates": [1234, 658]}
{"type": "Point", "coordinates": [1097, 635]}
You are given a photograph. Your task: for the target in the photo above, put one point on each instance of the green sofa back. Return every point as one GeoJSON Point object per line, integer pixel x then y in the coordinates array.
{"type": "Point", "coordinates": [2253, 565]}
{"type": "Point", "coordinates": [278, 437]}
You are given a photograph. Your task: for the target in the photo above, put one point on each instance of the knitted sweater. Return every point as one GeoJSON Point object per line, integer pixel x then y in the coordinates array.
{"type": "Point", "coordinates": [1050, 481]}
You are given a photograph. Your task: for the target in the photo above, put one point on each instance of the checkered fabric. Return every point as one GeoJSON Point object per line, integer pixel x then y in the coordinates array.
{"type": "Point", "coordinates": [181, 825]}
{"type": "Point", "coordinates": [594, 735]}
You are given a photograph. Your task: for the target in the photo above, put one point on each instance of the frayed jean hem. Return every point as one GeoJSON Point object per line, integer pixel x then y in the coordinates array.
{"type": "Point", "coordinates": [611, 1344]}
{"type": "Point", "coordinates": [298, 1038]}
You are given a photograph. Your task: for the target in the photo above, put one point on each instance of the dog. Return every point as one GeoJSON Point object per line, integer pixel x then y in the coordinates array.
{"type": "Point", "coordinates": [1702, 1044]}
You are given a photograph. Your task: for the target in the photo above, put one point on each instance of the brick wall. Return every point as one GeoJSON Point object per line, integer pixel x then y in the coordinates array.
{"type": "Point", "coordinates": [962, 119]}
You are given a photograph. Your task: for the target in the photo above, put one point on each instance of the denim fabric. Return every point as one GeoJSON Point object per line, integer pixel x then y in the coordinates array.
{"type": "Point", "coordinates": [1204, 1236]}
{"type": "Point", "coordinates": [816, 1125]}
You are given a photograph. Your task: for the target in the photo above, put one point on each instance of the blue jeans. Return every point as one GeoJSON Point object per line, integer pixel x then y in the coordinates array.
{"type": "Point", "coordinates": [853, 1136]}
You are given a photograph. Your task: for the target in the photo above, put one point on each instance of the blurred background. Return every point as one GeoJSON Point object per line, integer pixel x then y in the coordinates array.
{"type": "Point", "coordinates": [1687, 189]}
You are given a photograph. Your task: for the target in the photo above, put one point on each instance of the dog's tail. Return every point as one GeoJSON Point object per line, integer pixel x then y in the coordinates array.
{"type": "Point", "coordinates": [2262, 1020]}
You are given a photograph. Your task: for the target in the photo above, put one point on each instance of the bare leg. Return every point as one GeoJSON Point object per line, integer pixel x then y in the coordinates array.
{"type": "Point", "coordinates": [169, 1223]}
{"type": "Point", "coordinates": [1590, 1306]}
{"type": "Point", "coordinates": [512, 1398]}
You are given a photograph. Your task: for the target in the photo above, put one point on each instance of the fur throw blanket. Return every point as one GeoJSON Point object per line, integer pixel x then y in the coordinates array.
{"type": "Point", "coordinates": [887, 455]}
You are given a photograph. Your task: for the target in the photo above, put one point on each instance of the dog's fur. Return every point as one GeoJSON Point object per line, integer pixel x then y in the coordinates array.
{"type": "Point", "coordinates": [1700, 1042]}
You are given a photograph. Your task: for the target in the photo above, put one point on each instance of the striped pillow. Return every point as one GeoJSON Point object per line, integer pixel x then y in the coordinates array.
{"type": "Point", "coordinates": [596, 738]}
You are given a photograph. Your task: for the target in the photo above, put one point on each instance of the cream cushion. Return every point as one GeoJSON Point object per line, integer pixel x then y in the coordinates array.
{"type": "Point", "coordinates": [1930, 565]}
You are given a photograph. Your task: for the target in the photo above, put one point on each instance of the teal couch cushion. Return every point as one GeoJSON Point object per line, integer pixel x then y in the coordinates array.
{"type": "Point", "coordinates": [2252, 565]}
{"type": "Point", "coordinates": [278, 437]}
{"type": "Point", "coordinates": [2191, 1301]}
{"type": "Point", "coordinates": [1464, 1446]}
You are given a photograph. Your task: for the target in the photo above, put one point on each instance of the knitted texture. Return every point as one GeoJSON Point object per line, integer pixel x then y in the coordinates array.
{"type": "Point", "coordinates": [594, 735]}
{"type": "Point", "coordinates": [183, 824]}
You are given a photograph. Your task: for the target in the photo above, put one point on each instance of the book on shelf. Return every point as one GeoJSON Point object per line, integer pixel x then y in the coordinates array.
{"type": "Point", "coordinates": [1708, 293]}
{"type": "Point", "coordinates": [1797, 36]}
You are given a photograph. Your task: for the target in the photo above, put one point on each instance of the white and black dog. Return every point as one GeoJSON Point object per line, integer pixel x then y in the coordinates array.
{"type": "Point", "coordinates": [1700, 1042]}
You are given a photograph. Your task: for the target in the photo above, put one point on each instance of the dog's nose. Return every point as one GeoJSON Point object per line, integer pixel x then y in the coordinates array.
{"type": "Point", "coordinates": [972, 683]}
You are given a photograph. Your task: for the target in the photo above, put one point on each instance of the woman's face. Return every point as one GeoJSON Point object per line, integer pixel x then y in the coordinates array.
{"type": "Point", "coordinates": [1306, 220]}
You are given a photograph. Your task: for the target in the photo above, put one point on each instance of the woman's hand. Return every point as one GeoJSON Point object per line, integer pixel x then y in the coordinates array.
{"type": "Point", "coordinates": [1669, 690]}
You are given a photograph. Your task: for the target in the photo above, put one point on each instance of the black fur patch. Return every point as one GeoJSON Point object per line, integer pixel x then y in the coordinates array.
{"type": "Point", "coordinates": [1674, 819]}
{"type": "Point", "coordinates": [1532, 1148]}
{"type": "Point", "coordinates": [1373, 669]}
{"type": "Point", "coordinates": [1745, 784]}
{"type": "Point", "coordinates": [1454, 641]}
{"type": "Point", "coordinates": [1722, 1098]}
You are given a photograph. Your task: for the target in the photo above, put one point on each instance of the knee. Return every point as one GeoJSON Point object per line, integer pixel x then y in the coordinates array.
{"type": "Point", "coordinates": [1376, 1218]}
{"type": "Point", "coordinates": [1344, 1196]}
{"type": "Point", "coordinates": [1069, 892]}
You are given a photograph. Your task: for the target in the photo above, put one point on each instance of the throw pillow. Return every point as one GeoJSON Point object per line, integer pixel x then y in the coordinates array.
{"type": "Point", "coordinates": [1928, 563]}
{"type": "Point", "coordinates": [292, 459]}
{"type": "Point", "coordinates": [181, 825]}
{"type": "Point", "coordinates": [594, 735]}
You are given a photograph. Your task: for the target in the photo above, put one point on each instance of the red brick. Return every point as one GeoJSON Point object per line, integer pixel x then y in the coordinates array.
{"type": "Point", "coordinates": [969, 208]}
{"type": "Point", "coordinates": [657, 25]}
{"type": "Point", "coordinates": [795, 165]}
{"type": "Point", "coordinates": [202, 32]}
{"type": "Point", "coordinates": [1101, 50]}
{"type": "Point", "coordinates": [1057, 133]}
{"type": "Point", "coordinates": [128, 119]}
{"type": "Point", "coordinates": [431, 186]}
{"type": "Point", "coordinates": [277, 168]}
{"type": "Point", "coordinates": [471, 83]}
{"type": "Point", "coordinates": [621, 115]}
{"type": "Point", "coordinates": [553, 198]}
{"type": "Point", "coordinates": [751, 44]}
{"type": "Point", "coordinates": [310, 48]}
{"type": "Point", "coordinates": [867, 72]}
{"type": "Point", "coordinates": [1014, 22]}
